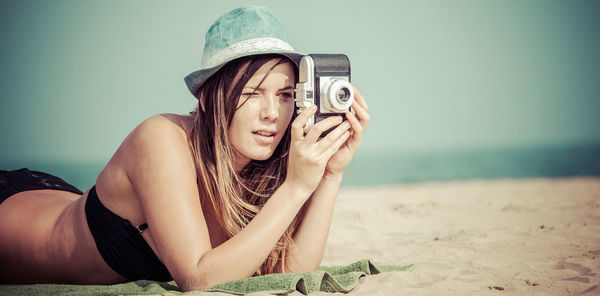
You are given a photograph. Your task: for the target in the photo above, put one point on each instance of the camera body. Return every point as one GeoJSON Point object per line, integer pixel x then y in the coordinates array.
{"type": "Point", "coordinates": [324, 80]}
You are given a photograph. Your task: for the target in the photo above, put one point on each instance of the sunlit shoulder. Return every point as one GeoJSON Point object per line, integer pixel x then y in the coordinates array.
{"type": "Point", "coordinates": [159, 142]}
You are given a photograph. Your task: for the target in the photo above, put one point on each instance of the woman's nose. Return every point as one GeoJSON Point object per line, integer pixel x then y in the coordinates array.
{"type": "Point", "coordinates": [270, 110]}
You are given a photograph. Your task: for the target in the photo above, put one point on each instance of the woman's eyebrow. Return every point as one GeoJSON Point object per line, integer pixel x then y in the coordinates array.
{"type": "Point", "coordinates": [262, 89]}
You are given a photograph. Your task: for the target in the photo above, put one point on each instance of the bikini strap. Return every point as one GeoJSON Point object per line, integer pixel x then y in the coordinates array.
{"type": "Point", "coordinates": [142, 227]}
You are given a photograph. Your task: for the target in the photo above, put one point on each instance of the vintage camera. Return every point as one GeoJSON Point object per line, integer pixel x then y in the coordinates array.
{"type": "Point", "coordinates": [324, 79]}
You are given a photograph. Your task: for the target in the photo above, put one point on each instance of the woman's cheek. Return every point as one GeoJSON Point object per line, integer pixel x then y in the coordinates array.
{"type": "Point", "coordinates": [289, 112]}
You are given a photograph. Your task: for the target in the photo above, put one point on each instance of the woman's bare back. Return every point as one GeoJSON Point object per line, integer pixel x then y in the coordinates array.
{"type": "Point", "coordinates": [45, 239]}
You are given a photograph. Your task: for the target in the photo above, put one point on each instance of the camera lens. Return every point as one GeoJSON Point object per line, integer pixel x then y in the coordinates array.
{"type": "Point", "coordinates": [338, 95]}
{"type": "Point", "coordinates": [343, 94]}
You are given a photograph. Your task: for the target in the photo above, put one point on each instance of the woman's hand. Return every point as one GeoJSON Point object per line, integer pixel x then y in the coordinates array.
{"type": "Point", "coordinates": [309, 154]}
{"type": "Point", "coordinates": [359, 121]}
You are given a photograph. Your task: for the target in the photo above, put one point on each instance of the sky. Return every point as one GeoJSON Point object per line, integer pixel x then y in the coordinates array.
{"type": "Point", "coordinates": [77, 76]}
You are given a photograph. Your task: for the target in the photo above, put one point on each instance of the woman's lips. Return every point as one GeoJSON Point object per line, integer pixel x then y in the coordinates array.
{"type": "Point", "coordinates": [265, 137]}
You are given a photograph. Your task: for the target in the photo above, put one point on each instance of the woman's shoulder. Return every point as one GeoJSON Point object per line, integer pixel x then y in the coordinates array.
{"type": "Point", "coordinates": [161, 131]}
{"type": "Point", "coordinates": [160, 139]}
{"type": "Point", "coordinates": [165, 124]}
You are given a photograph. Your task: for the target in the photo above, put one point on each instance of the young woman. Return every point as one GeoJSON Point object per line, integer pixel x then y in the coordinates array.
{"type": "Point", "coordinates": [233, 189]}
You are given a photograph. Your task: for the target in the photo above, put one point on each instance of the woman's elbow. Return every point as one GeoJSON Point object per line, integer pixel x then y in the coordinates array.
{"type": "Point", "coordinates": [193, 284]}
{"type": "Point", "coordinates": [205, 277]}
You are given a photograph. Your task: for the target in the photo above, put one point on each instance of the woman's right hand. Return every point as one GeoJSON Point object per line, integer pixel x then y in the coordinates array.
{"type": "Point", "coordinates": [309, 153]}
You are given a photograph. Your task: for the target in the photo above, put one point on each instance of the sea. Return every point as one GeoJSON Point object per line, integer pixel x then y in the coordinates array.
{"type": "Point", "coordinates": [382, 168]}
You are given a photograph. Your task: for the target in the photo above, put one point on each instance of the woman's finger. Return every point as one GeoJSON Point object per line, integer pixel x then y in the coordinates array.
{"type": "Point", "coordinates": [300, 122]}
{"type": "Point", "coordinates": [318, 128]}
{"type": "Point", "coordinates": [332, 149]}
{"type": "Point", "coordinates": [331, 138]}
{"type": "Point", "coordinates": [357, 127]}
{"type": "Point", "coordinates": [361, 114]}
{"type": "Point", "coordinates": [359, 98]}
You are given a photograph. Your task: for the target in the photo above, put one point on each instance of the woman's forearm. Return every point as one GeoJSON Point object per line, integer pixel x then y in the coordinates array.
{"type": "Point", "coordinates": [311, 237]}
{"type": "Point", "coordinates": [241, 255]}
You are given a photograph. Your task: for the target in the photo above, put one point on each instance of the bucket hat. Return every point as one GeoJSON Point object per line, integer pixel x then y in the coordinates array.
{"type": "Point", "coordinates": [244, 31]}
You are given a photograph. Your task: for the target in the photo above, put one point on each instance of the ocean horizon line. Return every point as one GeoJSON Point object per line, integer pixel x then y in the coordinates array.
{"type": "Point", "coordinates": [389, 167]}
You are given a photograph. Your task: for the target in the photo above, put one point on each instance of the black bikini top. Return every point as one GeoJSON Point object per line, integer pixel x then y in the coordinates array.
{"type": "Point", "coordinates": [121, 244]}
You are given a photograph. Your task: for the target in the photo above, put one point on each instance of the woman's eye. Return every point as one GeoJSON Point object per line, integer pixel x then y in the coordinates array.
{"type": "Point", "coordinates": [249, 94]}
{"type": "Point", "coordinates": [287, 96]}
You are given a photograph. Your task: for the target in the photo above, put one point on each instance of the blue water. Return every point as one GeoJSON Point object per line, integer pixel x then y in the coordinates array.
{"type": "Point", "coordinates": [394, 168]}
{"type": "Point", "coordinates": [531, 162]}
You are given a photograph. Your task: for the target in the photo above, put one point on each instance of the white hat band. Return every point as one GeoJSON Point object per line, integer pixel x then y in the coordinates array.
{"type": "Point", "coordinates": [251, 45]}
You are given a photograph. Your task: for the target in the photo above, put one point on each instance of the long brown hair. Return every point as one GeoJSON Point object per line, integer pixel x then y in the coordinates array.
{"type": "Point", "coordinates": [236, 197]}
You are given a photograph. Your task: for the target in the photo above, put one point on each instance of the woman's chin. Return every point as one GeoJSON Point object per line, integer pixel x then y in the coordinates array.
{"type": "Point", "coordinates": [261, 154]}
{"type": "Point", "coordinates": [262, 157]}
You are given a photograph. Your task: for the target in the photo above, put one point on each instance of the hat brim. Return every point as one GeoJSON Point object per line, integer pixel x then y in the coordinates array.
{"type": "Point", "coordinates": [196, 79]}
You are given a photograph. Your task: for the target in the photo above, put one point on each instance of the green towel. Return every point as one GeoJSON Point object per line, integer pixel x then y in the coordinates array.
{"type": "Point", "coordinates": [328, 279]}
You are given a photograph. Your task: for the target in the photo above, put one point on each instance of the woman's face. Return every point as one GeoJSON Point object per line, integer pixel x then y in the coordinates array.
{"type": "Point", "coordinates": [263, 113]}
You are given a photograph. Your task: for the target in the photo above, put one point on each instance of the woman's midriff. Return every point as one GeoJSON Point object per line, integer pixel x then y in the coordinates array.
{"type": "Point", "coordinates": [50, 240]}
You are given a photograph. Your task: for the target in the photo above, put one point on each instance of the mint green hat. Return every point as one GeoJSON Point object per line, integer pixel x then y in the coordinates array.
{"type": "Point", "coordinates": [241, 32]}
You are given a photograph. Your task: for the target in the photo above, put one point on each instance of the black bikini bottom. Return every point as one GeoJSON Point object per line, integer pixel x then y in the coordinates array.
{"type": "Point", "coordinates": [13, 182]}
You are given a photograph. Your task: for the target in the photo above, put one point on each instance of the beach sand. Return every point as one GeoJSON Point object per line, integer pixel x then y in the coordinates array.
{"type": "Point", "coordinates": [477, 237]}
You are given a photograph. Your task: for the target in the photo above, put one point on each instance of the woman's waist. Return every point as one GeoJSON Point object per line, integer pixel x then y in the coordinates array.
{"type": "Point", "coordinates": [51, 237]}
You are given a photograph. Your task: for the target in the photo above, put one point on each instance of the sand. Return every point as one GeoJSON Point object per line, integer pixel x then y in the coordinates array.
{"type": "Point", "coordinates": [476, 237]}
{"type": "Point", "coordinates": [492, 237]}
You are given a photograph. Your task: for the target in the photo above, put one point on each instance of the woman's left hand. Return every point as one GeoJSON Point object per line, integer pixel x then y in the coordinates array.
{"type": "Point", "coordinates": [359, 121]}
